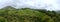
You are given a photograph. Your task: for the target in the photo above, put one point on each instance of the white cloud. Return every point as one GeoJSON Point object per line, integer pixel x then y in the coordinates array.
{"type": "Point", "coordinates": [46, 4]}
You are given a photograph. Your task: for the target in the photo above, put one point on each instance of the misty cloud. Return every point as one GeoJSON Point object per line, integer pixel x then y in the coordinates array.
{"type": "Point", "coordinates": [44, 4]}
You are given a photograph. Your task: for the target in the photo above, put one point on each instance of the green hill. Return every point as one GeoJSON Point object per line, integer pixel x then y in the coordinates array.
{"type": "Point", "coordinates": [27, 15]}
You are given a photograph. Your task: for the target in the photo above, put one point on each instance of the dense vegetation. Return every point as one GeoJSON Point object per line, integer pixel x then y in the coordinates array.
{"type": "Point", "coordinates": [11, 14]}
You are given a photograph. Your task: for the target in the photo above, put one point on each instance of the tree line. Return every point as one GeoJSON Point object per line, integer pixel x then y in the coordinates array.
{"type": "Point", "coordinates": [11, 14]}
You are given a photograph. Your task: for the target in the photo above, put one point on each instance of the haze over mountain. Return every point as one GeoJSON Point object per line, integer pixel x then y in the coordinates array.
{"type": "Point", "coordinates": [39, 4]}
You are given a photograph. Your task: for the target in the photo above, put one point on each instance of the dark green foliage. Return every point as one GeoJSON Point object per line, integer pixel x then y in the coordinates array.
{"type": "Point", "coordinates": [2, 19]}
{"type": "Point", "coordinates": [10, 14]}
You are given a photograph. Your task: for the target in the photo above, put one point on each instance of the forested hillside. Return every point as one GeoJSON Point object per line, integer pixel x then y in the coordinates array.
{"type": "Point", "coordinates": [11, 14]}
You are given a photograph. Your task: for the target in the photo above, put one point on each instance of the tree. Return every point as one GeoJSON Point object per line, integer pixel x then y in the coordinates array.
{"type": "Point", "coordinates": [3, 19]}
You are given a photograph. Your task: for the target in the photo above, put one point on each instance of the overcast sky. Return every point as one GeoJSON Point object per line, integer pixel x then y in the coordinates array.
{"type": "Point", "coordinates": [44, 4]}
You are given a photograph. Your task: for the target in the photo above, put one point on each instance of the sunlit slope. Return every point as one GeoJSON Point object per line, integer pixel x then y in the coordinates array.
{"type": "Point", "coordinates": [23, 15]}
